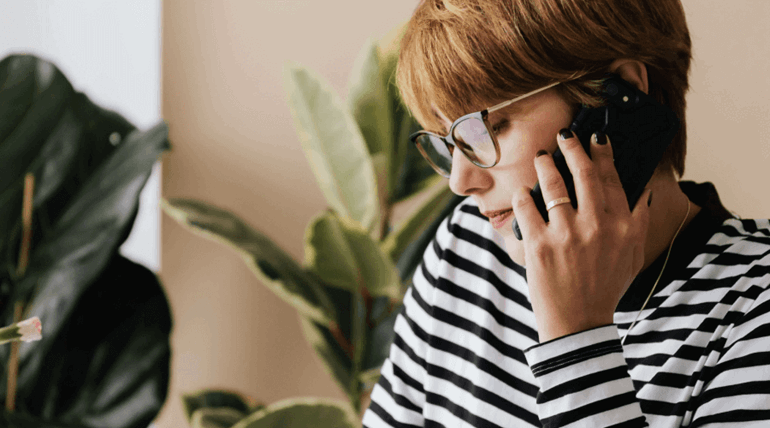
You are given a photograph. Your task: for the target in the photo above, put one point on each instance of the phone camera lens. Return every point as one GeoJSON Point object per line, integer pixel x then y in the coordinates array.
{"type": "Point", "coordinates": [612, 89]}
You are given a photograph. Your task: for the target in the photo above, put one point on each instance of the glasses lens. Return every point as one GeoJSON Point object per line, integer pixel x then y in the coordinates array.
{"type": "Point", "coordinates": [472, 137]}
{"type": "Point", "coordinates": [436, 152]}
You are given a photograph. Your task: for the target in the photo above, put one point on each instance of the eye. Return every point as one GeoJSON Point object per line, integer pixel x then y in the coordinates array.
{"type": "Point", "coordinates": [500, 126]}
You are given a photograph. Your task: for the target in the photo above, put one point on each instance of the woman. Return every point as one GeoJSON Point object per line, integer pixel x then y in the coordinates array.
{"type": "Point", "coordinates": [607, 315]}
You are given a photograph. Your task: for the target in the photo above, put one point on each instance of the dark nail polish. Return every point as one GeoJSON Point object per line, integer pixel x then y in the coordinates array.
{"type": "Point", "coordinates": [649, 199]}
{"type": "Point", "coordinates": [565, 133]}
{"type": "Point", "coordinates": [601, 138]}
{"type": "Point", "coordinates": [516, 230]}
{"type": "Point", "coordinates": [541, 153]}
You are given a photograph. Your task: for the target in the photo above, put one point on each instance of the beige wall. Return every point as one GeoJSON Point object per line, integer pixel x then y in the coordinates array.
{"type": "Point", "coordinates": [235, 146]}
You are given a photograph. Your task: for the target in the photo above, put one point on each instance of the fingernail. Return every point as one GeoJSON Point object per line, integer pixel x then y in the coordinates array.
{"type": "Point", "coordinates": [565, 133]}
{"type": "Point", "coordinates": [516, 230]}
{"type": "Point", "coordinates": [541, 153]}
{"type": "Point", "coordinates": [599, 138]}
{"type": "Point", "coordinates": [649, 199]}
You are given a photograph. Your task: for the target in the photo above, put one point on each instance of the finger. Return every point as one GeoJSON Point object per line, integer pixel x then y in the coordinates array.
{"type": "Point", "coordinates": [603, 159]}
{"type": "Point", "coordinates": [587, 186]}
{"type": "Point", "coordinates": [552, 186]}
{"type": "Point", "coordinates": [530, 221]}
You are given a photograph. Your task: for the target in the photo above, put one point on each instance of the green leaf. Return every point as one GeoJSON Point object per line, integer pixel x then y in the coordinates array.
{"type": "Point", "coordinates": [91, 226]}
{"type": "Point", "coordinates": [108, 362]}
{"type": "Point", "coordinates": [343, 255]}
{"type": "Point", "coordinates": [213, 398]}
{"type": "Point", "coordinates": [302, 413]}
{"type": "Point", "coordinates": [377, 345]}
{"type": "Point", "coordinates": [216, 417]}
{"type": "Point", "coordinates": [334, 146]}
{"type": "Point", "coordinates": [337, 359]}
{"type": "Point", "coordinates": [22, 420]}
{"type": "Point", "coordinates": [370, 377]}
{"type": "Point", "coordinates": [47, 129]}
{"type": "Point", "coordinates": [105, 351]}
{"type": "Point", "coordinates": [369, 100]}
{"type": "Point", "coordinates": [358, 333]}
{"type": "Point", "coordinates": [407, 169]}
{"type": "Point", "coordinates": [276, 269]}
{"type": "Point", "coordinates": [408, 230]}
{"type": "Point", "coordinates": [380, 162]}
{"type": "Point", "coordinates": [411, 257]}
{"type": "Point", "coordinates": [27, 130]}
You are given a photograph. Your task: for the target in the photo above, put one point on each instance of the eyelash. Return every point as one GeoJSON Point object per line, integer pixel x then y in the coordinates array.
{"type": "Point", "coordinates": [499, 127]}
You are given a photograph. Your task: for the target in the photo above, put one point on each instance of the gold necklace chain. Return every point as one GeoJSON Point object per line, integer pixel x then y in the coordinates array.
{"type": "Point", "coordinates": [670, 246]}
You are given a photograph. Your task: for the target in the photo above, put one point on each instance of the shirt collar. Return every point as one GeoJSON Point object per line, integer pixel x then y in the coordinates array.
{"type": "Point", "coordinates": [687, 245]}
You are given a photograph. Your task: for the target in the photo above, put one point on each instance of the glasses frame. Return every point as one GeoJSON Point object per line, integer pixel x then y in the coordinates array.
{"type": "Point", "coordinates": [482, 115]}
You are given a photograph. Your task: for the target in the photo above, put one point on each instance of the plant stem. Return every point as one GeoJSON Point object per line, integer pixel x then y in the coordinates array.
{"type": "Point", "coordinates": [26, 225]}
{"type": "Point", "coordinates": [21, 269]}
{"type": "Point", "coordinates": [346, 346]}
{"type": "Point", "coordinates": [358, 337]}
{"type": "Point", "coordinates": [385, 222]}
{"type": "Point", "coordinates": [13, 364]}
{"type": "Point", "coordinates": [368, 302]}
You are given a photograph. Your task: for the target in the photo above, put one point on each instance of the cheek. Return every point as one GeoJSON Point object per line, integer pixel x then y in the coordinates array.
{"type": "Point", "coordinates": [527, 141]}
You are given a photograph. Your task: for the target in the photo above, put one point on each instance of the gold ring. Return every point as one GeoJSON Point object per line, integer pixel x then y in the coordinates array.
{"type": "Point", "coordinates": [557, 201]}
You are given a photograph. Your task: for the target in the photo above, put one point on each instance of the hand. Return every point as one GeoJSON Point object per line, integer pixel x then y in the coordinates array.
{"type": "Point", "coordinates": [582, 261]}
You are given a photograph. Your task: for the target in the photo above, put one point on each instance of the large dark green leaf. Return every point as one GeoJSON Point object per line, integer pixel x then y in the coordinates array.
{"type": "Point", "coordinates": [22, 420]}
{"type": "Point", "coordinates": [108, 365]}
{"type": "Point", "coordinates": [276, 269]}
{"type": "Point", "coordinates": [62, 150]}
{"type": "Point", "coordinates": [91, 227]}
{"type": "Point", "coordinates": [103, 359]}
{"type": "Point", "coordinates": [41, 93]}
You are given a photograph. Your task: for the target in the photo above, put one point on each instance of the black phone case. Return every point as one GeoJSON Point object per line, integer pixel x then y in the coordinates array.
{"type": "Point", "coordinates": [639, 129]}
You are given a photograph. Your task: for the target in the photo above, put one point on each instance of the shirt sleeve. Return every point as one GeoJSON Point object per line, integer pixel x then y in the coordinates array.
{"type": "Point", "coordinates": [584, 380]}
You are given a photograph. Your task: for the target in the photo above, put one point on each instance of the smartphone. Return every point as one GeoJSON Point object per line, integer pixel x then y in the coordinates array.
{"type": "Point", "coordinates": [639, 128]}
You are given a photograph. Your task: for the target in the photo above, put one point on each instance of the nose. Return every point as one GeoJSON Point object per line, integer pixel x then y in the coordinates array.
{"type": "Point", "coordinates": [466, 178]}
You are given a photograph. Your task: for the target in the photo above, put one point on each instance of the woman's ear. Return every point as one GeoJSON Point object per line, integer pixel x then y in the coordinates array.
{"type": "Point", "coordinates": [632, 71]}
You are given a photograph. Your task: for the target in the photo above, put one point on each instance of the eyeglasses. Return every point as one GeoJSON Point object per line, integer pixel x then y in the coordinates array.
{"type": "Point", "coordinates": [472, 134]}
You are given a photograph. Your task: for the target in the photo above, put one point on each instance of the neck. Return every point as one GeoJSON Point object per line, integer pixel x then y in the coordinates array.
{"type": "Point", "coordinates": [667, 211]}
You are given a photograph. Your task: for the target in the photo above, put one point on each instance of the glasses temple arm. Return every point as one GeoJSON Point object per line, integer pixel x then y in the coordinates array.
{"type": "Point", "coordinates": [528, 94]}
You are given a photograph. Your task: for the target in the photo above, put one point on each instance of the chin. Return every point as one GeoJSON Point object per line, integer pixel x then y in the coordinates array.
{"type": "Point", "coordinates": [512, 246]}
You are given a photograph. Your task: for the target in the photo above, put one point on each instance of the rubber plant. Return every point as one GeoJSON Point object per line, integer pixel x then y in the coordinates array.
{"type": "Point", "coordinates": [70, 178]}
{"type": "Point", "coordinates": [358, 259]}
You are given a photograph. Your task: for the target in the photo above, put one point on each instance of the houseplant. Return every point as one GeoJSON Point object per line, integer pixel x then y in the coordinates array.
{"type": "Point", "coordinates": [78, 170]}
{"type": "Point", "coordinates": [359, 257]}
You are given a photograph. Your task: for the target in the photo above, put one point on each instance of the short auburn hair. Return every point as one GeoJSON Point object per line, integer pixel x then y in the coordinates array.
{"type": "Point", "coordinates": [462, 55]}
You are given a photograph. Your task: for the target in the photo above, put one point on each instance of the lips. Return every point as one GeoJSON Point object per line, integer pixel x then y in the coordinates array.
{"type": "Point", "coordinates": [498, 218]}
{"type": "Point", "coordinates": [491, 214]}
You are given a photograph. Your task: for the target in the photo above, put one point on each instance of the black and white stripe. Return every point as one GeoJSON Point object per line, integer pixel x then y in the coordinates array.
{"type": "Point", "coordinates": [466, 352]}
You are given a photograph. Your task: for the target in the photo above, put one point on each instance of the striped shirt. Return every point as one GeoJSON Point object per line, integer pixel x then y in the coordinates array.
{"type": "Point", "coordinates": [466, 350]}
